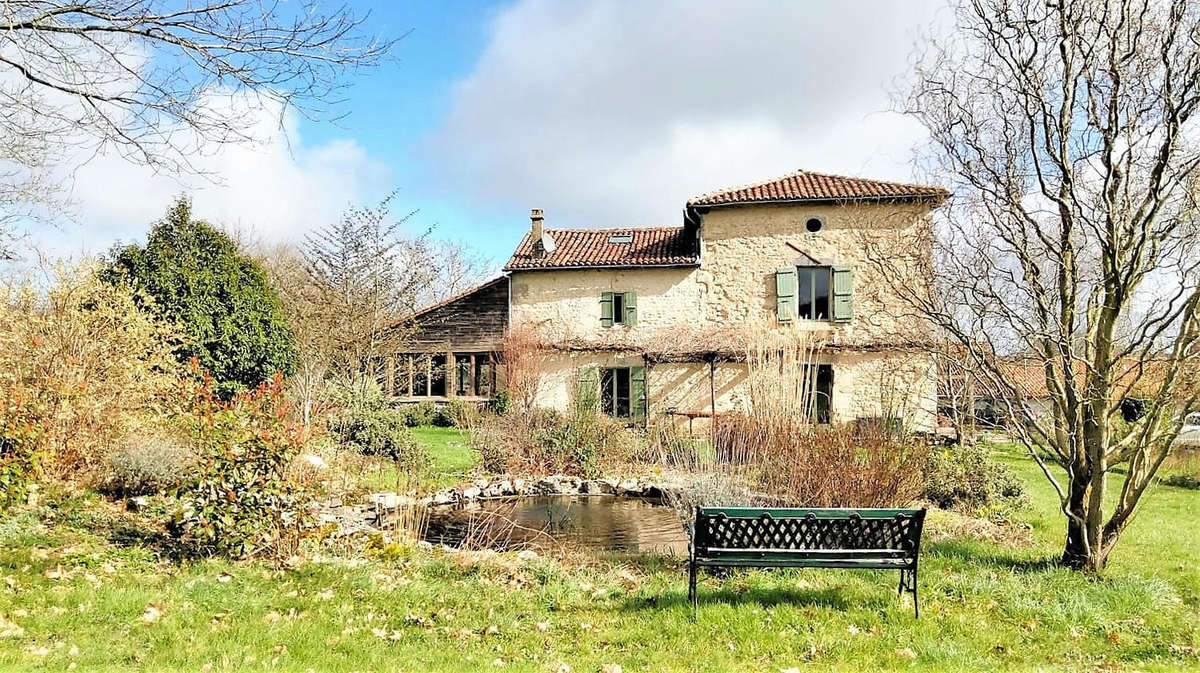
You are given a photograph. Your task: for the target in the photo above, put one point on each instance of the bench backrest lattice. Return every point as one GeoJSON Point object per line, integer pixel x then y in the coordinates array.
{"type": "Point", "coordinates": [875, 538]}
{"type": "Point", "coordinates": [892, 533]}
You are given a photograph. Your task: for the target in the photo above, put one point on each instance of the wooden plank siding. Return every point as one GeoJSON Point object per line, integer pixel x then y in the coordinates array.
{"type": "Point", "coordinates": [470, 322]}
{"type": "Point", "coordinates": [464, 332]}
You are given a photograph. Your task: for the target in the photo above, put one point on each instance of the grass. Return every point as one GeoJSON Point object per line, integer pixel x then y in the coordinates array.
{"type": "Point", "coordinates": [448, 448]}
{"type": "Point", "coordinates": [83, 583]}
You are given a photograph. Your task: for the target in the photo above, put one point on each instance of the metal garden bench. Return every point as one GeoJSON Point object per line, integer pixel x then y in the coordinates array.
{"type": "Point", "coordinates": [751, 537]}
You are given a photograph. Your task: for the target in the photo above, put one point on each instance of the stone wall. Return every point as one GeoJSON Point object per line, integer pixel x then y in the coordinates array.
{"type": "Point", "coordinates": [743, 247]}
{"type": "Point", "coordinates": [568, 302]}
{"type": "Point", "coordinates": [866, 385]}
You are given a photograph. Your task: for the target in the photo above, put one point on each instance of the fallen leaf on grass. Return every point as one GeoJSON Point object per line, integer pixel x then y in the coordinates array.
{"type": "Point", "coordinates": [542, 626]}
{"type": "Point", "coordinates": [852, 630]}
{"type": "Point", "coordinates": [55, 573]}
{"type": "Point", "coordinates": [38, 650]}
{"type": "Point", "coordinates": [906, 653]}
{"type": "Point", "coordinates": [272, 617]}
{"type": "Point", "coordinates": [326, 595]}
{"type": "Point", "coordinates": [616, 668]}
{"type": "Point", "coordinates": [152, 613]}
{"type": "Point", "coordinates": [1113, 637]}
{"type": "Point", "coordinates": [793, 669]}
{"type": "Point", "coordinates": [497, 662]}
{"type": "Point", "coordinates": [562, 667]}
{"type": "Point", "coordinates": [224, 577]}
{"type": "Point", "coordinates": [10, 629]}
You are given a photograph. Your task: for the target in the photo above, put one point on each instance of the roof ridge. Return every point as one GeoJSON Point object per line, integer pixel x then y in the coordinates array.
{"type": "Point", "coordinates": [604, 229]}
{"type": "Point", "coordinates": [860, 179]}
{"type": "Point", "coordinates": [814, 190]}
{"type": "Point", "coordinates": [452, 299]}
{"type": "Point", "coordinates": [749, 185]}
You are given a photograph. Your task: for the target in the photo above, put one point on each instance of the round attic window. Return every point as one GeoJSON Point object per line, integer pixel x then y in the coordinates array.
{"type": "Point", "coordinates": [814, 224]}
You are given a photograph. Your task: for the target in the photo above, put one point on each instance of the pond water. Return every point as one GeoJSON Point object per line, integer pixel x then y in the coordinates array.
{"type": "Point", "coordinates": [587, 523]}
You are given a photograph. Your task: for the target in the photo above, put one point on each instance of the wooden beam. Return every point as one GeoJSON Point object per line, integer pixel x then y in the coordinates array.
{"type": "Point", "coordinates": [471, 387]}
{"type": "Point", "coordinates": [429, 374]}
{"type": "Point", "coordinates": [389, 369]}
{"type": "Point", "coordinates": [451, 374]}
{"type": "Point", "coordinates": [646, 390]}
{"type": "Point", "coordinates": [712, 397]}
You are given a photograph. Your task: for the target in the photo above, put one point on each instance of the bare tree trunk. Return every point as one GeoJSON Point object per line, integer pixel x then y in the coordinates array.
{"type": "Point", "coordinates": [1066, 132]}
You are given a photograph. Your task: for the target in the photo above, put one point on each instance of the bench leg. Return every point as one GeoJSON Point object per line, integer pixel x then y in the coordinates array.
{"type": "Point", "coordinates": [692, 589]}
{"type": "Point", "coordinates": [908, 581]}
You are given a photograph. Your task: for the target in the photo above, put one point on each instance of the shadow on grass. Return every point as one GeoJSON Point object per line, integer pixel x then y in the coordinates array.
{"type": "Point", "coordinates": [123, 534]}
{"type": "Point", "coordinates": [712, 590]}
{"type": "Point", "coordinates": [983, 554]}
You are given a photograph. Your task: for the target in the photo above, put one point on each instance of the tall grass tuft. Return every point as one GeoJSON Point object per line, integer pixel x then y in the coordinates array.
{"type": "Point", "coordinates": [774, 452]}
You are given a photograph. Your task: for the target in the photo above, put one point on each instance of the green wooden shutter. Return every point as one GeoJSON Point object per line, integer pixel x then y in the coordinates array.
{"type": "Point", "coordinates": [631, 308]}
{"type": "Point", "coordinates": [843, 293]}
{"type": "Point", "coordinates": [785, 294]}
{"type": "Point", "coordinates": [587, 387]}
{"type": "Point", "coordinates": [637, 393]}
{"type": "Point", "coordinates": [606, 309]}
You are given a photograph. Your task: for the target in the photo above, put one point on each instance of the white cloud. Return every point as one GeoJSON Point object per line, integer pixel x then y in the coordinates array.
{"type": "Point", "coordinates": [276, 188]}
{"type": "Point", "coordinates": [614, 112]}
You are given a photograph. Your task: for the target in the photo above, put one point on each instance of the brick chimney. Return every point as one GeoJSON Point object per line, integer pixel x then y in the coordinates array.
{"type": "Point", "coordinates": [536, 218]}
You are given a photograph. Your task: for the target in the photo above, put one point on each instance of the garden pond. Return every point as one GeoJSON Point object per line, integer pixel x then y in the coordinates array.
{"type": "Point", "coordinates": [594, 523]}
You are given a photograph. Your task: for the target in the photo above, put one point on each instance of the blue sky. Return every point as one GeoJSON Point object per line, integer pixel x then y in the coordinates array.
{"type": "Point", "coordinates": [602, 112]}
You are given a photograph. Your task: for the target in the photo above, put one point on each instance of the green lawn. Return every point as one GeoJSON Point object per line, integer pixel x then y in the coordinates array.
{"type": "Point", "coordinates": [448, 448]}
{"type": "Point", "coordinates": [451, 454]}
{"type": "Point", "coordinates": [82, 582]}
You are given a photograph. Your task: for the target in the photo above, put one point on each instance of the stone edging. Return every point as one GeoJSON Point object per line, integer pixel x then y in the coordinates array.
{"type": "Point", "coordinates": [352, 519]}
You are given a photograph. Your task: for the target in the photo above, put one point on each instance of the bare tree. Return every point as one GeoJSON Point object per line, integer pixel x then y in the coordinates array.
{"type": "Point", "coordinates": [157, 81]}
{"type": "Point", "coordinates": [1067, 133]}
{"type": "Point", "coordinates": [363, 274]}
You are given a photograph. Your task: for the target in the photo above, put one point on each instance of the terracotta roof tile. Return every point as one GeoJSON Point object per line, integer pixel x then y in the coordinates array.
{"type": "Point", "coordinates": [809, 186]}
{"type": "Point", "coordinates": [582, 248]}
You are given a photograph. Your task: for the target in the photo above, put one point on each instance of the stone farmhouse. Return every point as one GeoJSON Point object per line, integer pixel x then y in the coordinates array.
{"type": "Point", "coordinates": [645, 322]}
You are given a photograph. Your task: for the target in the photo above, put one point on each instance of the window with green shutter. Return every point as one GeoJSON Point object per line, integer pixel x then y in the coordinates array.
{"type": "Point", "coordinates": [785, 294]}
{"type": "Point", "coordinates": [606, 309]}
{"type": "Point", "coordinates": [843, 293]}
{"type": "Point", "coordinates": [587, 387]}
{"type": "Point", "coordinates": [637, 393]}
{"type": "Point", "coordinates": [814, 293]}
{"type": "Point", "coordinates": [618, 308]}
{"type": "Point", "coordinates": [623, 392]}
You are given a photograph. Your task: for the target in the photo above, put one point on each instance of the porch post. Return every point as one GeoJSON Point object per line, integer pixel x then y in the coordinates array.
{"type": "Point", "coordinates": [712, 397]}
{"type": "Point", "coordinates": [451, 375]}
{"type": "Point", "coordinates": [389, 370]}
{"type": "Point", "coordinates": [471, 388]}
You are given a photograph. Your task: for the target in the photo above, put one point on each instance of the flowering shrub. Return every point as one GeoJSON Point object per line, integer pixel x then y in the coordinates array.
{"type": "Point", "coordinates": [237, 498]}
{"type": "Point", "coordinates": [21, 445]}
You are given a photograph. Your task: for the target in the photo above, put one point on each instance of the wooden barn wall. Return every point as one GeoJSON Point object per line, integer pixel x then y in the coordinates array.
{"type": "Point", "coordinates": [473, 322]}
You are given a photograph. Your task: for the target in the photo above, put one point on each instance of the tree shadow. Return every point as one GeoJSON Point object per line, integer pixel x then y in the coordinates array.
{"type": "Point", "coordinates": [958, 550]}
{"type": "Point", "coordinates": [830, 597]}
{"type": "Point", "coordinates": [127, 535]}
